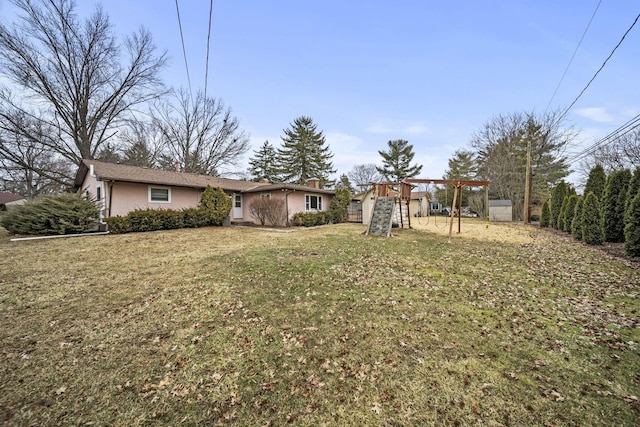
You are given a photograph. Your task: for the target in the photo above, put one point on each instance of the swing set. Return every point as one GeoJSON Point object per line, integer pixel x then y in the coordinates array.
{"type": "Point", "coordinates": [404, 195]}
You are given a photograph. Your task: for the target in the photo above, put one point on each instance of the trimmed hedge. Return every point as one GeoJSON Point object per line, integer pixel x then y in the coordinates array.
{"type": "Point", "coordinates": [310, 219]}
{"type": "Point", "coordinates": [213, 209]}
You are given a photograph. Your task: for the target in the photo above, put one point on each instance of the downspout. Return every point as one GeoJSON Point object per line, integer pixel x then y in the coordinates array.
{"type": "Point", "coordinates": [286, 206]}
{"type": "Point", "coordinates": [110, 199]}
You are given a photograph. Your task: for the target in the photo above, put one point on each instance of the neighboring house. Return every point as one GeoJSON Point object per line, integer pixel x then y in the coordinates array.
{"type": "Point", "coordinates": [500, 210]}
{"type": "Point", "coordinates": [10, 200]}
{"type": "Point", "coordinates": [419, 203]}
{"type": "Point", "coordinates": [120, 189]}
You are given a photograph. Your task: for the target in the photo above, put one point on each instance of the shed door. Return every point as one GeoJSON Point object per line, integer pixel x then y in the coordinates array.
{"type": "Point", "coordinates": [237, 205]}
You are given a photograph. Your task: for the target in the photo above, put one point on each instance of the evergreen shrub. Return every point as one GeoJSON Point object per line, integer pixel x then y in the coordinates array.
{"type": "Point", "coordinates": [215, 205]}
{"type": "Point", "coordinates": [118, 224]}
{"type": "Point", "coordinates": [592, 229]}
{"type": "Point", "coordinates": [569, 213]}
{"type": "Point", "coordinates": [310, 219]}
{"type": "Point", "coordinates": [339, 209]}
{"type": "Point", "coordinates": [545, 216]}
{"type": "Point", "coordinates": [632, 227]}
{"type": "Point", "coordinates": [67, 213]}
{"type": "Point", "coordinates": [576, 223]}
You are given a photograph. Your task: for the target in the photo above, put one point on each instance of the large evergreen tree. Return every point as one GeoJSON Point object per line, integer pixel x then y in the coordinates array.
{"type": "Point", "coordinates": [344, 182]}
{"type": "Point", "coordinates": [596, 181]}
{"type": "Point", "coordinates": [634, 187]}
{"type": "Point", "coordinates": [263, 165]}
{"type": "Point", "coordinates": [304, 153]}
{"type": "Point", "coordinates": [557, 196]}
{"type": "Point", "coordinates": [592, 231]}
{"type": "Point", "coordinates": [396, 162]}
{"type": "Point", "coordinates": [462, 166]}
{"type": "Point", "coordinates": [576, 223]}
{"type": "Point", "coordinates": [569, 213]}
{"type": "Point", "coordinates": [614, 202]}
{"type": "Point", "coordinates": [545, 216]}
{"type": "Point", "coordinates": [501, 151]}
{"type": "Point", "coordinates": [632, 227]}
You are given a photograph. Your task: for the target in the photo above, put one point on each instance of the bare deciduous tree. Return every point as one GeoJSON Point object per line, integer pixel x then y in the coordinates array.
{"type": "Point", "coordinates": [363, 175]}
{"type": "Point", "coordinates": [71, 76]}
{"type": "Point", "coordinates": [200, 134]}
{"type": "Point", "coordinates": [621, 153]}
{"type": "Point", "coordinates": [27, 166]}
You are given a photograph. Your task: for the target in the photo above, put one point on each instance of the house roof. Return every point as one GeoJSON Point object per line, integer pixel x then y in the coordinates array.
{"type": "Point", "coordinates": [496, 203]}
{"type": "Point", "coordinates": [286, 186]}
{"type": "Point", "coordinates": [9, 197]}
{"type": "Point", "coordinates": [115, 172]}
{"type": "Point", "coordinates": [125, 173]}
{"type": "Point", "coordinates": [420, 194]}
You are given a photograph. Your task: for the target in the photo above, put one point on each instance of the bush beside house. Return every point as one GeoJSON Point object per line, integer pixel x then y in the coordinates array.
{"type": "Point", "coordinates": [66, 213]}
{"type": "Point", "coordinates": [213, 209]}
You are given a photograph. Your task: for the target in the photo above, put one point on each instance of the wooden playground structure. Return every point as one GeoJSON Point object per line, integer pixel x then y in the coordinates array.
{"type": "Point", "coordinates": [390, 194]}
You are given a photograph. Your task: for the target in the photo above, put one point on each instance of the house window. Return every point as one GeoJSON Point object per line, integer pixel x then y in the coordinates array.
{"type": "Point", "coordinates": [435, 206]}
{"type": "Point", "coordinates": [98, 193]}
{"type": "Point", "coordinates": [237, 201]}
{"type": "Point", "coordinates": [159, 195]}
{"type": "Point", "coordinates": [313, 203]}
{"type": "Point", "coordinates": [265, 195]}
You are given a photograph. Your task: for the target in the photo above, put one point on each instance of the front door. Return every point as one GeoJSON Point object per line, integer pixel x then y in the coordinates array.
{"type": "Point", "coordinates": [237, 205]}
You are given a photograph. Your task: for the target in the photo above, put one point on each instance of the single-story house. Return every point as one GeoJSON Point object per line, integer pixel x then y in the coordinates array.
{"type": "Point", "coordinates": [500, 210]}
{"type": "Point", "coordinates": [120, 189]}
{"type": "Point", "coordinates": [10, 200]}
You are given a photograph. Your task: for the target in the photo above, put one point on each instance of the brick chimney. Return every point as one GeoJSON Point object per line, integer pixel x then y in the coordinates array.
{"type": "Point", "coordinates": [313, 183]}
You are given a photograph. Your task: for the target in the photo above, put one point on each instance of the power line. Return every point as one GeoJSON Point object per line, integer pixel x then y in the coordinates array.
{"type": "Point", "coordinates": [599, 69]}
{"type": "Point", "coordinates": [610, 138]}
{"type": "Point", "coordinates": [574, 55]}
{"type": "Point", "coordinates": [184, 51]}
{"type": "Point", "coordinates": [206, 73]}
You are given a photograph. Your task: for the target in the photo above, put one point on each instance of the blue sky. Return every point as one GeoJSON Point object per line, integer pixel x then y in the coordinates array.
{"type": "Point", "coordinates": [371, 71]}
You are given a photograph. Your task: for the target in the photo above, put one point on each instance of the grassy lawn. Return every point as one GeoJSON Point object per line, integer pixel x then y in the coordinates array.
{"type": "Point", "coordinates": [508, 325]}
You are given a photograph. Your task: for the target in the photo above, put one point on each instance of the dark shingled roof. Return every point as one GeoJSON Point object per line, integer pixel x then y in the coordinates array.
{"type": "Point", "coordinates": [115, 172]}
{"type": "Point", "coordinates": [290, 187]}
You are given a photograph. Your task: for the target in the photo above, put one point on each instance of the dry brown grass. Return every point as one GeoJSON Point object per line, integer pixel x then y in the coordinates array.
{"type": "Point", "coordinates": [506, 325]}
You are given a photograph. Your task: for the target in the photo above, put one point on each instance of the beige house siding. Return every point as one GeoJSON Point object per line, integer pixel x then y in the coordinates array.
{"type": "Point", "coordinates": [295, 201]}
{"type": "Point", "coordinates": [122, 189]}
{"type": "Point", "coordinates": [131, 196]}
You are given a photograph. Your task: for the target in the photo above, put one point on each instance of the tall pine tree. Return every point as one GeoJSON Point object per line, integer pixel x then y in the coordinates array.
{"type": "Point", "coordinates": [557, 196]}
{"type": "Point", "coordinates": [263, 164]}
{"type": "Point", "coordinates": [592, 230]}
{"type": "Point", "coordinates": [596, 182]}
{"type": "Point", "coordinates": [576, 223]}
{"type": "Point", "coordinates": [304, 153]}
{"type": "Point", "coordinates": [614, 202]}
{"type": "Point", "coordinates": [396, 162]}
